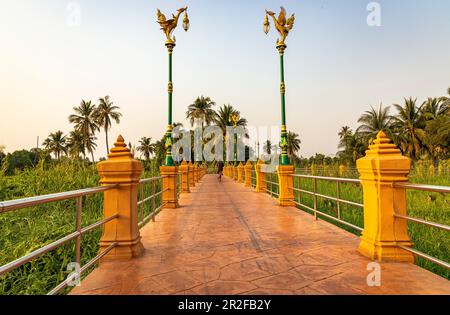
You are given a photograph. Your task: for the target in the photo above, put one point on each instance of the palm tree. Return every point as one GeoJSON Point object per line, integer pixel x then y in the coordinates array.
{"type": "Point", "coordinates": [75, 144]}
{"type": "Point", "coordinates": [104, 113]}
{"type": "Point", "coordinates": [373, 121]}
{"type": "Point", "coordinates": [293, 144]}
{"type": "Point", "coordinates": [352, 147]}
{"type": "Point", "coordinates": [434, 107]}
{"type": "Point", "coordinates": [223, 118]}
{"type": "Point", "coordinates": [201, 109]}
{"type": "Point", "coordinates": [56, 144]}
{"type": "Point", "coordinates": [408, 124]}
{"type": "Point", "coordinates": [146, 147]}
{"type": "Point", "coordinates": [345, 132]}
{"type": "Point", "coordinates": [267, 147]}
{"type": "Point", "coordinates": [85, 122]}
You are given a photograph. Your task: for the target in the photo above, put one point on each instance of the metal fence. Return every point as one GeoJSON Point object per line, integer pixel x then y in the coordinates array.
{"type": "Point", "coordinates": [150, 199]}
{"type": "Point", "coordinates": [146, 213]}
{"type": "Point", "coordinates": [272, 186]}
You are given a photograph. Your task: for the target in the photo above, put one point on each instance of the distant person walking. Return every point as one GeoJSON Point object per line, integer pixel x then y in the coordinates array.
{"type": "Point", "coordinates": [220, 170]}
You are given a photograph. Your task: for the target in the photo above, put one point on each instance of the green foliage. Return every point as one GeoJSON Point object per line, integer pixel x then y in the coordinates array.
{"type": "Point", "coordinates": [28, 229]}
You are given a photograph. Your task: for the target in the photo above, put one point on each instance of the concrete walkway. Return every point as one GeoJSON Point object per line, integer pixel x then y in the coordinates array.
{"type": "Point", "coordinates": [227, 239]}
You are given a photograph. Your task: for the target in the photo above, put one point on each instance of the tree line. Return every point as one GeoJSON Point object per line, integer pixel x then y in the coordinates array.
{"type": "Point", "coordinates": [420, 130]}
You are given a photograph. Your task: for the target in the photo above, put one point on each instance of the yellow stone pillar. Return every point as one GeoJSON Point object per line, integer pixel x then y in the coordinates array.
{"type": "Point", "coordinates": [286, 185]}
{"type": "Point", "coordinates": [191, 175]}
{"type": "Point", "coordinates": [196, 177]}
{"type": "Point", "coordinates": [235, 173]}
{"type": "Point", "coordinates": [240, 168]}
{"type": "Point", "coordinates": [383, 166]}
{"type": "Point", "coordinates": [260, 177]}
{"type": "Point", "coordinates": [169, 196]}
{"type": "Point", "coordinates": [184, 170]}
{"type": "Point", "coordinates": [248, 174]}
{"type": "Point", "coordinates": [341, 170]}
{"type": "Point", "coordinates": [122, 169]}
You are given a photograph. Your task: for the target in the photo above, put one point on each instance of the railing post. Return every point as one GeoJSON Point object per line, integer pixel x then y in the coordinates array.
{"type": "Point", "coordinates": [184, 170]}
{"type": "Point", "coordinates": [169, 195]}
{"type": "Point", "coordinates": [191, 175]}
{"type": "Point", "coordinates": [286, 185]}
{"type": "Point", "coordinates": [248, 174]}
{"type": "Point", "coordinates": [122, 169]}
{"type": "Point", "coordinates": [383, 166]}
{"type": "Point", "coordinates": [260, 177]}
{"type": "Point", "coordinates": [240, 169]}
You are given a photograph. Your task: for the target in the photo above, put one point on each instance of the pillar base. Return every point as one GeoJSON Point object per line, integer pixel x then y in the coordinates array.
{"type": "Point", "coordinates": [385, 251]}
{"type": "Point", "coordinates": [124, 250]}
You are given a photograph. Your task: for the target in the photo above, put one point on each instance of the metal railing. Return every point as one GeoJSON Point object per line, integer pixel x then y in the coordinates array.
{"type": "Point", "coordinates": [150, 190]}
{"type": "Point", "coordinates": [78, 195]}
{"type": "Point", "coordinates": [315, 194]}
{"type": "Point", "coordinates": [430, 188]}
{"type": "Point", "coordinates": [253, 178]}
{"type": "Point", "coordinates": [272, 186]}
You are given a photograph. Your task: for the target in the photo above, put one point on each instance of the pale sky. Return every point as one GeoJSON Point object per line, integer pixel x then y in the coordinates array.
{"type": "Point", "coordinates": [336, 64]}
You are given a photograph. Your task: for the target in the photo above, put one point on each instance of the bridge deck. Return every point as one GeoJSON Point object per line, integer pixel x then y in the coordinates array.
{"type": "Point", "coordinates": [227, 239]}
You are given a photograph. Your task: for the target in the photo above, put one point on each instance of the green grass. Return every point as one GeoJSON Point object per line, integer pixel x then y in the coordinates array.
{"type": "Point", "coordinates": [31, 228]}
{"type": "Point", "coordinates": [430, 206]}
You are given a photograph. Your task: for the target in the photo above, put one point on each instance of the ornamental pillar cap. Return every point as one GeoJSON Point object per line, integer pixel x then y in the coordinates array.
{"type": "Point", "coordinates": [384, 161]}
{"type": "Point", "coordinates": [120, 149]}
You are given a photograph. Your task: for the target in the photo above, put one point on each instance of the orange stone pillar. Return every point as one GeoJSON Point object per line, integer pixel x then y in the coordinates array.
{"type": "Point", "coordinates": [196, 173]}
{"type": "Point", "coordinates": [169, 196]}
{"type": "Point", "coordinates": [191, 175]}
{"type": "Point", "coordinates": [235, 173]}
{"type": "Point", "coordinates": [260, 177]}
{"type": "Point", "coordinates": [380, 169]}
{"type": "Point", "coordinates": [248, 174]}
{"type": "Point", "coordinates": [286, 185]}
{"type": "Point", "coordinates": [240, 168]}
{"type": "Point", "coordinates": [122, 169]}
{"type": "Point", "coordinates": [184, 170]}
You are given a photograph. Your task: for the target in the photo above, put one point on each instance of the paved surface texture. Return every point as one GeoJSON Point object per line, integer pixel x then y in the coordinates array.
{"type": "Point", "coordinates": [227, 239]}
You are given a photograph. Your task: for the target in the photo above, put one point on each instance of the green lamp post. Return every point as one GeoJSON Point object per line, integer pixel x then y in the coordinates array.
{"type": "Point", "coordinates": [168, 26]}
{"type": "Point", "coordinates": [283, 26]}
{"type": "Point", "coordinates": [235, 120]}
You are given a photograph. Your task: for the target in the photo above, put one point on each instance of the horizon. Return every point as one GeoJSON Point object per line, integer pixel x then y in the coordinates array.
{"type": "Point", "coordinates": [337, 66]}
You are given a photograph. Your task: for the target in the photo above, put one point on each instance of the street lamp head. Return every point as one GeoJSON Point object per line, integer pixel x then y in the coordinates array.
{"type": "Point", "coordinates": [266, 25]}
{"type": "Point", "coordinates": [186, 22]}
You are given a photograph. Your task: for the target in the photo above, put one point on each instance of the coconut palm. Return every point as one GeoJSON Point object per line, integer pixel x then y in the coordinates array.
{"type": "Point", "coordinates": [146, 147]}
{"type": "Point", "coordinates": [408, 124]}
{"type": "Point", "coordinates": [434, 107]}
{"type": "Point", "coordinates": [75, 144]}
{"type": "Point", "coordinates": [56, 144]}
{"type": "Point", "coordinates": [202, 110]}
{"type": "Point", "coordinates": [85, 122]}
{"type": "Point", "coordinates": [352, 147]}
{"type": "Point", "coordinates": [373, 121]}
{"type": "Point", "coordinates": [223, 118]}
{"type": "Point", "coordinates": [105, 113]}
{"type": "Point", "coordinates": [293, 144]}
{"type": "Point", "coordinates": [268, 147]}
{"type": "Point", "coordinates": [345, 132]}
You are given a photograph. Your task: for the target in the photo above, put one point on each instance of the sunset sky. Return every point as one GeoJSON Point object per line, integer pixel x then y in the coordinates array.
{"type": "Point", "coordinates": [336, 64]}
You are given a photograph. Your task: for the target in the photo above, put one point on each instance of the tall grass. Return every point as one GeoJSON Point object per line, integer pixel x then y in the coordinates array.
{"type": "Point", "coordinates": [25, 230]}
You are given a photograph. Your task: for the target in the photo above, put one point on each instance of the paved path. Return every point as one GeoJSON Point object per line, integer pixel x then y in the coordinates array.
{"type": "Point", "coordinates": [227, 239]}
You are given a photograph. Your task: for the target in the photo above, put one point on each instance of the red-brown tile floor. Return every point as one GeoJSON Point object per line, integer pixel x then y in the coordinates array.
{"type": "Point", "coordinates": [227, 239]}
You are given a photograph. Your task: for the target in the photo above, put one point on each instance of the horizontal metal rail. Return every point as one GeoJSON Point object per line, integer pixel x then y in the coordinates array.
{"type": "Point", "coordinates": [329, 197]}
{"type": "Point", "coordinates": [11, 205]}
{"type": "Point", "coordinates": [58, 243]}
{"type": "Point", "coordinates": [429, 223]}
{"type": "Point", "coordinates": [329, 216]}
{"type": "Point", "coordinates": [433, 188]}
{"type": "Point", "coordinates": [334, 179]}
{"type": "Point", "coordinates": [425, 256]}
{"type": "Point", "coordinates": [273, 183]}
{"type": "Point", "coordinates": [151, 216]}
{"type": "Point", "coordinates": [83, 269]}
{"type": "Point", "coordinates": [148, 180]}
{"type": "Point", "coordinates": [152, 196]}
